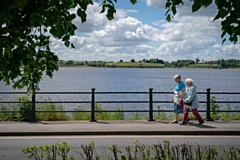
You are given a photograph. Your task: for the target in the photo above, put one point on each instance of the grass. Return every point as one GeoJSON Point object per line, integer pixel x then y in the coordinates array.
{"type": "Point", "coordinates": [51, 116]}
{"type": "Point", "coordinates": [203, 66]}
{"type": "Point", "coordinates": [101, 113]}
{"type": "Point", "coordinates": [134, 65]}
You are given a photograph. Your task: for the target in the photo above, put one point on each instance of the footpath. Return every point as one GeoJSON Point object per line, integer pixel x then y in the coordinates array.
{"type": "Point", "coordinates": [48, 128]}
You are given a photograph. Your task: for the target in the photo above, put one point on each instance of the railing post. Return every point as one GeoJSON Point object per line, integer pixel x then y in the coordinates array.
{"type": "Point", "coordinates": [93, 106]}
{"type": "Point", "coordinates": [33, 117]}
{"type": "Point", "coordinates": [208, 109]}
{"type": "Point", "coordinates": [150, 118]}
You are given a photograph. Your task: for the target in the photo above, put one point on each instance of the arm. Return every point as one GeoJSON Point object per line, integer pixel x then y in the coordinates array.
{"type": "Point", "coordinates": [183, 93]}
{"type": "Point", "coordinates": [191, 94]}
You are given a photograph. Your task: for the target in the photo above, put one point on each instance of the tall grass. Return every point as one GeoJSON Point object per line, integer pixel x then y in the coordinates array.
{"type": "Point", "coordinates": [51, 115]}
{"type": "Point", "coordinates": [48, 112]}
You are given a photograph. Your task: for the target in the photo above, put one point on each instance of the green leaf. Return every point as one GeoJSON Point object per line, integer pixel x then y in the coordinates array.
{"type": "Point", "coordinates": [72, 45]}
{"type": "Point", "coordinates": [67, 43]}
{"type": "Point", "coordinates": [123, 157]}
{"type": "Point", "coordinates": [110, 14]}
{"type": "Point", "coordinates": [82, 14]}
{"type": "Point", "coordinates": [83, 5]}
{"type": "Point", "coordinates": [196, 6]}
{"type": "Point", "coordinates": [133, 1]}
{"type": "Point", "coordinates": [168, 4]}
{"type": "Point", "coordinates": [223, 41]}
{"type": "Point", "coordinates": [174, 10]}
{"type": "Point", "coordinates": [168, 18]}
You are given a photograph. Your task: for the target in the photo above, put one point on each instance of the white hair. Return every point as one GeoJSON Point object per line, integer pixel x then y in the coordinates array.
{"type": "Point", "coordinates": [189, 80]}
{"type": "Point", "coordinates": [177, 76]}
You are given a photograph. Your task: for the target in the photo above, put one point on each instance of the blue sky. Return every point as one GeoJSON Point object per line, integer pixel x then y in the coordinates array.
{"type": "Point", "coordinates": [140, 31]}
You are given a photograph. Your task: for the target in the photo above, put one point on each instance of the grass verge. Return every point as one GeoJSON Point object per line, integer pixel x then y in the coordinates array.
{"type": "Point", "coordinates": [47, 112]}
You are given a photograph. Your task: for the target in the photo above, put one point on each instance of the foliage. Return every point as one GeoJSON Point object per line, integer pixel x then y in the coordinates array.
{"type": "Point", "coordinates": [160, 115]}
{"type": "Point", "coordinates": [25, 108]}
{"type": "Point", "coordinates": [51, 114]}
{"type": "Point", "coordinates": [134, 65]}
{"type": "Point", "coordinates": [230, 63]}
{"type": "Point", "coordinates": [227, 12]}
{"type": "Point", "coordinates": [181, 63]}
{"type": "Point", "coordinates": [160, 151]}
{"type": "Point", "coordinates": [26, 28]}
{"type": "Point", "coordinates": [48, 152]}
{"type": "Point", "coordinates": [101, 113]}
{"type": "Point", "coordinates": [7, 116]}
{"type": "Point", "coordinates": [214, 107]}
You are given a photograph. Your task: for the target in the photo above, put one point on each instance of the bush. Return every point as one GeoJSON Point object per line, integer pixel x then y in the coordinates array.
{"type": "Point", "coordinates": [25, 108]}
{"type": "Point", "coordinates": [215, 108]}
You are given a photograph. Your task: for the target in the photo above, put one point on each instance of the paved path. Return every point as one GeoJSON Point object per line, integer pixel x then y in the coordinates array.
{"type": "Point", "coordinates": [118, 128]}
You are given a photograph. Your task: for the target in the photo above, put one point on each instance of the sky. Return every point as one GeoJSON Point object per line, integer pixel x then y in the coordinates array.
{"type": "Point", "coordinates": [141, 31]}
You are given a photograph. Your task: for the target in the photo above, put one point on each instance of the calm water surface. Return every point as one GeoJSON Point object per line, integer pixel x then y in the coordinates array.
{"type": "Point", "coordinates": [136, 80]}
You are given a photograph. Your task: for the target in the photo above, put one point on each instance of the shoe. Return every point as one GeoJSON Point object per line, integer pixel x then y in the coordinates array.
{"type": "Point", "coordinates": [174, 121]}
{"type": "Point", "coordinates": [189, 119]}
{"type": "Point", "coordinates": [200, 123]}
{"type": "Point", "coordinates": [183, 123]}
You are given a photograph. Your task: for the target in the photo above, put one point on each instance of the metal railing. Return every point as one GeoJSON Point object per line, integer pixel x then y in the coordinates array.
{"type": "Point", "coordinates": [150, 102]}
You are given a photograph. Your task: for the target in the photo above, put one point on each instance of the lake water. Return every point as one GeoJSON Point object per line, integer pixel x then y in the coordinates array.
{"type": "Point", "coordinates": [135, 80]}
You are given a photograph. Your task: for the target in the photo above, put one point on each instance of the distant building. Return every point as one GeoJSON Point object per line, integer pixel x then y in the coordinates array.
{"type": "Point", "coordinates": [212, 62]}
{"type": "Point", "coordinates": [201, 62]}
{"type": "Point", "coordinates": [166, 62]}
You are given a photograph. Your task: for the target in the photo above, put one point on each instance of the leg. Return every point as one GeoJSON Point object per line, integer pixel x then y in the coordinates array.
{"type": "Point", "coordinates": [197, 115]}
{"type": "Point", "coordinates": [185, 117]}
{"type": "Point", "coordinates": [176, 111]}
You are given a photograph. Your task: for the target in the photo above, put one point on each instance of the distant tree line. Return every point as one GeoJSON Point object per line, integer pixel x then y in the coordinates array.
{"type": "Point", "coordinates": [230, 63]}
{"type": "Point", "coordinates": [220, 63]}
{"type": "Point", "coordinates": [82, 63]}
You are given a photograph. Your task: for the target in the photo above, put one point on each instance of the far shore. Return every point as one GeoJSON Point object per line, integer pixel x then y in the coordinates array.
{"type": "Point", "coordinates": [149, 67]}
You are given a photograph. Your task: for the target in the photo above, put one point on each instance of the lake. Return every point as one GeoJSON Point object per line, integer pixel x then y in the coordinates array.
{"type": "Point", "coordinates": [135, 80]}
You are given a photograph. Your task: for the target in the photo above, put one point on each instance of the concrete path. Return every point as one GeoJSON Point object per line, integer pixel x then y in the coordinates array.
{"type": "Point", "coordinates": [117, 128]}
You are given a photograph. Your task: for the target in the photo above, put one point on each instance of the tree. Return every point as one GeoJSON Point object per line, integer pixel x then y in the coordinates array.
{"type": "Point", "coordinates": [228, 12]}
{"type": "Point", "coordinates": [121, 61]}
{"type": "Point", "coordinates": [132, 60]}
{"type": "Point", "coordinates": [26, 27]}
{"type": "Point", "coordinates": [197, 60]}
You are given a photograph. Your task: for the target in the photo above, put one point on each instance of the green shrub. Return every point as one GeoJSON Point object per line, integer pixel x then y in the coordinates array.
{"type": "Point", "coordinates": [25, 107]}
{"type": "Point", "coordinates": [215, 108]}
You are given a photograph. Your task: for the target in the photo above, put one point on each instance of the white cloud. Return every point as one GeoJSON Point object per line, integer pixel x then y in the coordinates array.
{"type": "Point", "coordinates": [156, 3]}
{"type": "Point", "coordinates": [58, 45]}
{"type": "Point", "coordinates": [230, 50]}
{"type": "Point", "coordinates": [126, 32]}
{"type": "Point", "coordinates": [94, 18]}
{"type": "Point", "coordinates": [189, 36]}
{"type": "Point", "coordinates": [78, 42]}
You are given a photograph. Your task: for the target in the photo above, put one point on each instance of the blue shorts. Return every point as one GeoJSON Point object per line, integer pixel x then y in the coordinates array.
{"type": "Point", "coordinates": [177, 109]}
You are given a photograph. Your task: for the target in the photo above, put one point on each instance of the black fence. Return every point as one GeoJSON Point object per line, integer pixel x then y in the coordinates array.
{"type": "Point", "coordinates": [150, 102]}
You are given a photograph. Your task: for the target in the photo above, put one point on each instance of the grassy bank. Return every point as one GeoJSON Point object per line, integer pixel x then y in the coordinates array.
{"type": "Point", "coordinates": [24, 106]}
{"type": "Point", "coordinates": [134, 65]}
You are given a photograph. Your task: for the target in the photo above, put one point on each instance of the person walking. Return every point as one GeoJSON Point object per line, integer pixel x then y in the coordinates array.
{"type": "Point", "coordinates": [191, 102]}
{"type": "Point", "coordinates": [179, 92]}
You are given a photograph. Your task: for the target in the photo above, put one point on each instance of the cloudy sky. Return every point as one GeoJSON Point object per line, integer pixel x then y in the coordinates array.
{"type": "Point", "coordinates": [140, 31]}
